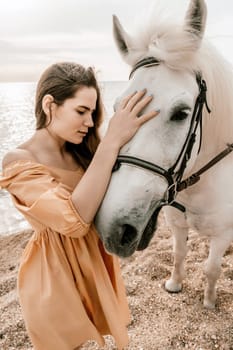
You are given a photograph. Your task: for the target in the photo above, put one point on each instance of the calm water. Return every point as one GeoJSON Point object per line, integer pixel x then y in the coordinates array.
{"type": "Point", "coordinates": [17, 124]}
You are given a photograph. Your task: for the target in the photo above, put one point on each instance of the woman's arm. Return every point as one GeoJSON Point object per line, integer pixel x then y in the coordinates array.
{"type": "Point", "coordinates": [89, 192]}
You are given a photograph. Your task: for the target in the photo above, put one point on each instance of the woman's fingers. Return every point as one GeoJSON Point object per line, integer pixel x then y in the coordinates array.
{"type": "Point", "coordinates": [130, 100]}
{"type": "Point", "coordinates": [134, 104]}
{"type": "Point", "coordinates": [147, 116]}
{"type": "Point", "coordinates": [134, 100]}
{"type": "Point", "coordinates": [125, 100]}
{"type": "Point", "coordinates": [142, 104]}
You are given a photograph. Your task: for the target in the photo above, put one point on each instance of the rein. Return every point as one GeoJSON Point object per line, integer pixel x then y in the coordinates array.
{"type": "Point", "coordinates": [195, 177]}
{"type": "Point", "coordinates": [173, 176]}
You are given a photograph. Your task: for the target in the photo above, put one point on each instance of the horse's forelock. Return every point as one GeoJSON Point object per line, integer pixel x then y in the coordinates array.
{"type": "Point", "coordinates": [173, 43]}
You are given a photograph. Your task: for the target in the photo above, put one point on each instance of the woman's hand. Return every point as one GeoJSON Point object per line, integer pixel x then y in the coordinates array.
{"type": "Point", "coordinates": [125, 121]}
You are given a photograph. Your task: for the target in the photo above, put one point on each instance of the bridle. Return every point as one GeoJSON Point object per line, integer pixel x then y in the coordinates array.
{"type": "Point", "coordinates": [175, 173]}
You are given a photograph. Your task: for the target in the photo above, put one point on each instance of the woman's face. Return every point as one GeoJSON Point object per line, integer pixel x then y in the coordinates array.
{"type": "Point", "coordinates": [71, 121]}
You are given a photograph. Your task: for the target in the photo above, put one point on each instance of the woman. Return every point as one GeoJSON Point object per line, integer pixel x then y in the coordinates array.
{"type": "Point", "coordinates": [70, 288]}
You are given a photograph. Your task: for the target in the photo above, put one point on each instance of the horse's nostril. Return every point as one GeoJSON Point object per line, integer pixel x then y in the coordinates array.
{"type": "Point", "coordinates": [129, 234]}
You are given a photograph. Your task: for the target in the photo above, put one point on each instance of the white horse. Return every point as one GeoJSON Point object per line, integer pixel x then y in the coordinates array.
{"type": "Point", "coordinates": [173, 62]}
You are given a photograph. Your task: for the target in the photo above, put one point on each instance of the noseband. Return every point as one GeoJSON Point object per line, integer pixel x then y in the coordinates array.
{"type": "Point", "coordinates": [174, 174]}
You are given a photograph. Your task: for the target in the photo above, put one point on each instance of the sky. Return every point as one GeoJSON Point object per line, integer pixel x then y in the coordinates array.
{"type": "Point", "coordinates": [37, 33]}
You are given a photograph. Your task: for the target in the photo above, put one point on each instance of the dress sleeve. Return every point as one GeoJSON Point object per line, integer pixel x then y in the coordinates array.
{"type": "Point", "coordinates": [38, 195]}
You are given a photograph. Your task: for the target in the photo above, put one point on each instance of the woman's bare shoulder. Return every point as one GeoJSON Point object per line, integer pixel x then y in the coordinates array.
{"type": "Point", "coordinates": [17, 154]}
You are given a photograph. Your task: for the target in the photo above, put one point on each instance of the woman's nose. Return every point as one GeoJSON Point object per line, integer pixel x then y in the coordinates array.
{"type": "Point", "coordinates": [89, 121]}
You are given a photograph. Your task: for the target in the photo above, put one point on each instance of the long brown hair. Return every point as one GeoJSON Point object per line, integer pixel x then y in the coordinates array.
{"type": "Point", "coordinates": [62, 81]}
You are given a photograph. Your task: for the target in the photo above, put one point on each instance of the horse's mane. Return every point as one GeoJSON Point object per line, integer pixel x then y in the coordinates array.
{"type": "Point", "coordinates": [175, 46]}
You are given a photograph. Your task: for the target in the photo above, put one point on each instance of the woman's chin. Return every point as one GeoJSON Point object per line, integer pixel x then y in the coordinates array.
{"type": "Point", "coordinates": [77, 139]}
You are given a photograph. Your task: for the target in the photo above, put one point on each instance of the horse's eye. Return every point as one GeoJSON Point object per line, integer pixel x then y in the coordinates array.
{"type": "Point", "coordinates": [179, 115]}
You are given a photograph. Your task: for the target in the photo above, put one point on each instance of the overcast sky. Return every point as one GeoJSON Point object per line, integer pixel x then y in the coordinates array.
{"type": "Point", "coordinates": [36, 33]}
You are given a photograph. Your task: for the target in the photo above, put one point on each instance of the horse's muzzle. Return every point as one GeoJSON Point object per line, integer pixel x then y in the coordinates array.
{"type": "Point", "coordinates": [125, 238]}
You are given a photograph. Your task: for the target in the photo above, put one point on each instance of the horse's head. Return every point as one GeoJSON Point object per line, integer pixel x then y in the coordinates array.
{"type": "Point", "coordinates": [163, 62]}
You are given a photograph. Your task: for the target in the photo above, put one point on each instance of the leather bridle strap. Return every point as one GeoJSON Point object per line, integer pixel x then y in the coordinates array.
{"type": "Point", "coordinates": [143, 164]}
{"type": "Point", "coordinates": [196, 121]}
{"type": "Point", "coordinates": [191, 180]}
{"type": "Point", "coordinates": [145, 62]}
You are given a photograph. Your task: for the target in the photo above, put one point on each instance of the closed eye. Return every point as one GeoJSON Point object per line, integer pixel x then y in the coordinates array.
{"type": "Point", "coordinates": [81, 112]}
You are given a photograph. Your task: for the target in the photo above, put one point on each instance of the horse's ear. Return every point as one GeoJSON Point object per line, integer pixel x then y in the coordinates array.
{"type": "Point", "coordinates": [195, 19]}
{"type": "Point", "coordinates": [123, 40]}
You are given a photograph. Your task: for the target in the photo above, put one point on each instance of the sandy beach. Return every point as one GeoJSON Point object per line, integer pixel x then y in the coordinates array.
{"type": "Point", "coordinates": [160, 321]}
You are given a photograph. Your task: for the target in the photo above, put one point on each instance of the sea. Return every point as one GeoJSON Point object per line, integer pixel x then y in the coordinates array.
{"type": "Point", "coordinates": [17, 124]}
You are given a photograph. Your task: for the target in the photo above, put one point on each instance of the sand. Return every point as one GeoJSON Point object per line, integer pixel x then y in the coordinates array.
{"type": "Point", "coordinates": [160, 321]}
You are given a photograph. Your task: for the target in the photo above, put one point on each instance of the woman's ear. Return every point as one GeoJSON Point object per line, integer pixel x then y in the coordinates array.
{"type": "Point", "coordinates": [47, 103]}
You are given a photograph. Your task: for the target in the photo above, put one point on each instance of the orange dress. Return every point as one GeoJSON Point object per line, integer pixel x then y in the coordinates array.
{"type": "Point", "coordinates": [70, 288]}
